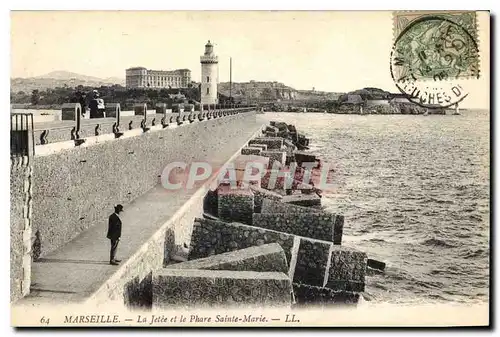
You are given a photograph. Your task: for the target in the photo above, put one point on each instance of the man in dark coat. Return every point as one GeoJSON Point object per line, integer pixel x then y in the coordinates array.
{"type": "Point", "coordinates": [114, 233]}
{"type": "Point", "coordinates": [82, 99]}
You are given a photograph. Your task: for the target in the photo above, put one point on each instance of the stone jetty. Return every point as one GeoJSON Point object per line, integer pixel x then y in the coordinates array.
{"type": "Point", "coordinates": [267, 243]}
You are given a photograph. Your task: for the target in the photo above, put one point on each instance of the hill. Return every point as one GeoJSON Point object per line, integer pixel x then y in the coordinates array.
{"type": "Point", "coordinates": [272, 91]}
{"type": "Point", "coordinates": [60, 79]}
{"type": "Point", "coordinates": [368, 94]}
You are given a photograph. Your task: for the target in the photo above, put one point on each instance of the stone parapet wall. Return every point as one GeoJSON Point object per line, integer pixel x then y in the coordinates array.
{"type": "Point", "coordinates": [66, 199]}
{"type": "Point", "coordinates": [21, 206]}
{"type": "Point", "coordinates": [59, 131]}
{"type": "Point", "coordinates": [46, 133]}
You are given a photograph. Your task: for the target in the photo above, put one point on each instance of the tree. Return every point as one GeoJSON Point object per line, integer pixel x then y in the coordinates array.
{"type": "Point", "coordinates": [35, 97]}
{"type": "Point", "coordinates": [267, 93]}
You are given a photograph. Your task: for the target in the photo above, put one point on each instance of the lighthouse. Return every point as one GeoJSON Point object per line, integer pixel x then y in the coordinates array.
{"type": "Point", "coordinates": [209, 75]}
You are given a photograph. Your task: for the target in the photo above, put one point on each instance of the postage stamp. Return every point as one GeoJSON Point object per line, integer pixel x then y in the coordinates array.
{"type": "Point", "coordinates": [435, 45]}
{"type": "Point", "coordinates": [432, 52]}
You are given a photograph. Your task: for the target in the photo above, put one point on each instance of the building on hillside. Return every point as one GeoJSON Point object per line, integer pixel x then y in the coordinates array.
{"type": "Point", "coordinates": [140, 77]}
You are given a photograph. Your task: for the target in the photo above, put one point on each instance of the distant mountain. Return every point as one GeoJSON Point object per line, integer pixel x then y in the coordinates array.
{"type": "Point", "coordinates": [60, 78]}
{"type": "Point", "coordinates": [115, 80]}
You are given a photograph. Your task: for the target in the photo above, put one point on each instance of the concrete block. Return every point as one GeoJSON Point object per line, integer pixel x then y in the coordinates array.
{"type": "Point", "coordinates": [112, 109]}
{"type": "Point", "coordinates": [277, 155]}
{"type": "Point", "coordinates": [275, 180]}
{"type": "Point", "coordinates": [261, 146]}
{"type": "Point", "coordinates": [211, 203]}
{"type": "Point", "coordinates": [323, 297]}
{"type": "Point", "coordinates": [303, 140]}
{"type": "Point", "coordinates": [338, 229]}
{"type": "Point", "coordinates": [260, 194]}
{"type": "Point", "coordinates": [276, 206]}
{"type": "Point", "coordinates": [251, 150]}
{"type": "Point", "coordinates": [312, 263]}
{"type": "Point", "coordinates": [273, 143]}
{"type": "Point", "coordinates": [319, 226]}
{"type": "Point", "coordinates": [242, 161]}
{"type": "Point", "coordinates": [161, 108]}
{"type": "Point", "coordinates": [347, 269]}
{"type": "Point", "coordinates": [375, 264]}
{"type": "Point", "coordinates": [210, 237]}
{"type": "Point", "coordinates": [140, 109]}
{"type": "Point", "coordinates": [271, 133]}
{"type": "Point", "coordinates": [304, 157]}
{"type": "Point", "coordinates": [265, 258]}
{"type": "Point", "coordinates": [219, 288]}
{"type": "Point", "coordinates": [289, 144]}
{"type": "Point", "coordinates": [69, 111]}
{"type": "Point", "coordinates": [306, 200]}
{"type": "Point", "coordinates": [303, 187]}
{"type": "Point", "coordinates": [235, 204]}
{"type": "Point", "coordinates": [279, 125]}
{"type": "Point", "coordinates": [270, 128]}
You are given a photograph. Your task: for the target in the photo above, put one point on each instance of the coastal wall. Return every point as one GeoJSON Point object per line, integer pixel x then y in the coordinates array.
{"type": "Point", "coordinates": [20, 226]}
{"type": "Point", "coordinates": [66, 198]}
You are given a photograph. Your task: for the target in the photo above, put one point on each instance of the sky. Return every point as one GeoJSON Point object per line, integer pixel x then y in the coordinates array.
{"type": "Point", "coordinates": [327, 50]}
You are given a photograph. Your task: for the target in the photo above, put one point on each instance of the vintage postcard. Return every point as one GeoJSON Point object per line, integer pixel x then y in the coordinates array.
{"type": "Point", "coordinates": [250, 168]}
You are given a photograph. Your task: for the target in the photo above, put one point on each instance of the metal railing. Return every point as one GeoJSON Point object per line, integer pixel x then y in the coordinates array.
{"type": "Point", "coordinates": [22, 138]}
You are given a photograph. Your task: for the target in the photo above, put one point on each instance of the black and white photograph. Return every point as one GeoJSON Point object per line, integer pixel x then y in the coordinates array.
{"type": "Point", "coordinates": [250, 168]}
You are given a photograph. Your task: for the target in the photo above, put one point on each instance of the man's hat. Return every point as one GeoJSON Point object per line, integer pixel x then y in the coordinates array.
{"type": "Point", "coordinates": [118, 208]}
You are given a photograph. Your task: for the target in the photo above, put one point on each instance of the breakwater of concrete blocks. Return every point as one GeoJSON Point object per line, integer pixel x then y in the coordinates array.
{"type": "Point", "coordinates": [266, 242]}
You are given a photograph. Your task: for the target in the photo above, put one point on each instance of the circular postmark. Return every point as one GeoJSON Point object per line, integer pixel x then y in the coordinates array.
{"type": "Point", "coordinates": [428, 59]}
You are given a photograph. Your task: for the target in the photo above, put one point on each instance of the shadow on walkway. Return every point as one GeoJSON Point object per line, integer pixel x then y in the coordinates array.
{"type": "Point", "coordinates": [44, 260]}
